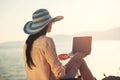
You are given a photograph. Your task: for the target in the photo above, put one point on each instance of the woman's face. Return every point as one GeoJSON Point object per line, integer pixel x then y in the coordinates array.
{"type": "Point", "coordinates": [49, 27]}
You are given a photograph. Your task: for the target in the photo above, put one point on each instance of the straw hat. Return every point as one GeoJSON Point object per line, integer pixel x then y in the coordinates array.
{"type": "Point", "coordinates": [40, 19]}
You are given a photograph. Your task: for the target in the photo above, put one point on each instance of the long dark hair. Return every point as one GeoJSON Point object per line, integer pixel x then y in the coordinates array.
{"type": "Point", "coordinates": [29, 42]}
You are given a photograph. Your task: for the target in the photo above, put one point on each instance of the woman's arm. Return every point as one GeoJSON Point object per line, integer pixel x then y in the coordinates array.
{"type": "Point", "coordinates": [52, 59]}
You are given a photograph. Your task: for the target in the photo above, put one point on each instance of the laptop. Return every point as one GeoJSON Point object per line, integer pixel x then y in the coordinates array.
{"type": "Point", "coordinates": [82, 44]}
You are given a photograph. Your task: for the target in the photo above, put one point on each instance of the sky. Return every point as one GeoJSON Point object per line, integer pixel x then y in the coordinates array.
{"type": "Point", "coordinates": [79, 16]}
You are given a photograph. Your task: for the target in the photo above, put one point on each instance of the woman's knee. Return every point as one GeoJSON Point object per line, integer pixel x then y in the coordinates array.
{"type": "Point", "coordinates": [80, 62]}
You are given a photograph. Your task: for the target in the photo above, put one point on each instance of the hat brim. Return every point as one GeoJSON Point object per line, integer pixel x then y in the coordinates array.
{"type": "Point", "coordinates": [58, 18]}
{"type": "Point", "coordinates": [29, 29]}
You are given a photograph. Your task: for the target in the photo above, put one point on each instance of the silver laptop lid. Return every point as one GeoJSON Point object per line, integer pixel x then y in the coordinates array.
{"type": "Point", "coordinates": [82, 44]}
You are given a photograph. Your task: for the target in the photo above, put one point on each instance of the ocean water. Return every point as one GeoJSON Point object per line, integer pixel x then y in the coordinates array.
{"type": "Point", "coordinates": [104, 58]}
{"type": "Point", "coordinates": [11, 62]}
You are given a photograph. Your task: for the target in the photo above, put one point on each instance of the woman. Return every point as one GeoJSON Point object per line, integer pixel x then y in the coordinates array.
{"type": "Point", "coordinates": [40, 58]}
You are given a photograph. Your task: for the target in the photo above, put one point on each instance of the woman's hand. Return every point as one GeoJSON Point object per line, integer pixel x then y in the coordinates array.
{"type": "Point", "coordinates": [63, 56]}
{"type": "Point", "coordinates": [78, 55]}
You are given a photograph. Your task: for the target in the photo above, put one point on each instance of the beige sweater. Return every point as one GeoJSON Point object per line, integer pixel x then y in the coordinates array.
{"type": "Point", "coordinates": [44, 56]}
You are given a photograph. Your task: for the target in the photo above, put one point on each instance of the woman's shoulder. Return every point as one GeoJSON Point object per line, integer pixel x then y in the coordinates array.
{"type": "Point", "coordinates": [44, 39]}
{"type": "Point", "coordinates": [48, 39]}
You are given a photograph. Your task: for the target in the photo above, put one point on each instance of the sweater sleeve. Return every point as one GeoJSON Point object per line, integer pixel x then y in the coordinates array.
{"type": "Point", "coordinates": [51, 57]}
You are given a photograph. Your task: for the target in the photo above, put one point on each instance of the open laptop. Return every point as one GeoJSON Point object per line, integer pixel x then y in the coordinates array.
{"type": "Point", "coordinates": [82, 44]}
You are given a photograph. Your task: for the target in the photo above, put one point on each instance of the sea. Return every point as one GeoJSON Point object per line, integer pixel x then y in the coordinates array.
{"type": "Point", "coordinates": [103, 60]}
